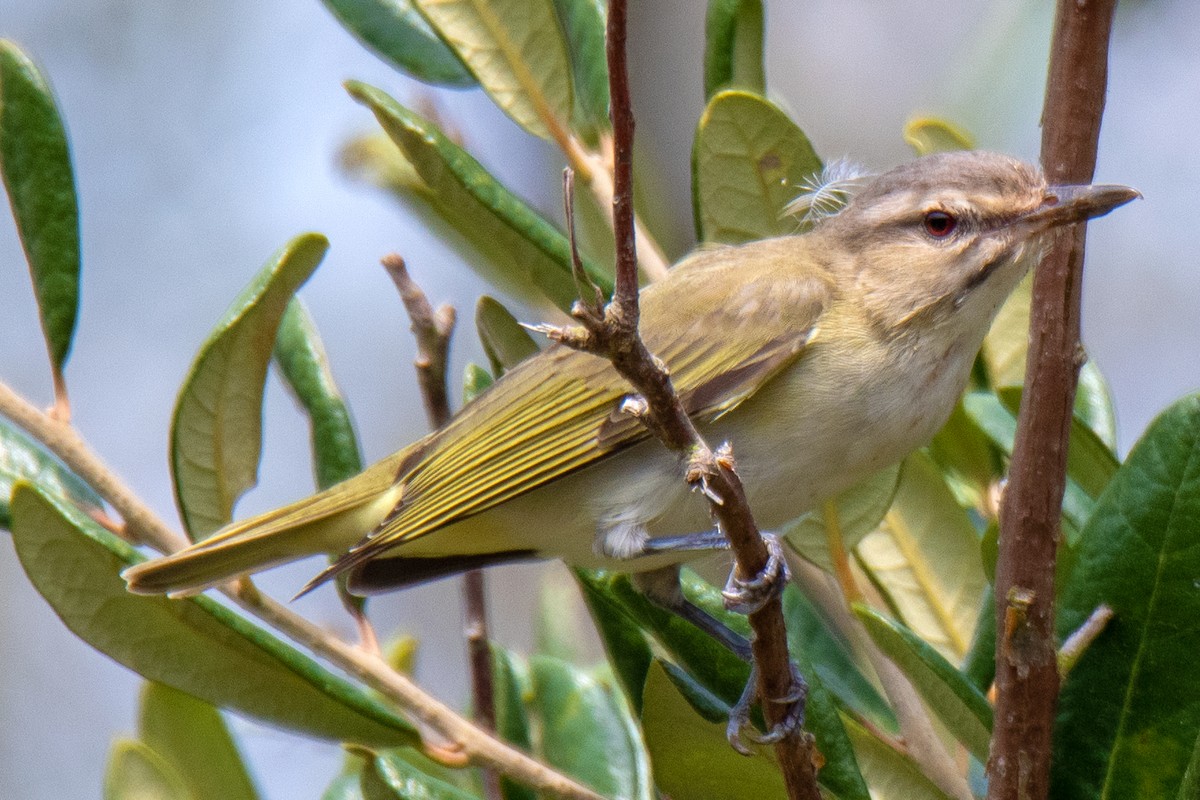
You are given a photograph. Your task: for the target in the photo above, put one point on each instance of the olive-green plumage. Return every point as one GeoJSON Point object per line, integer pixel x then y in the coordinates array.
{"type": "Point", "coordinates": [822, 357]}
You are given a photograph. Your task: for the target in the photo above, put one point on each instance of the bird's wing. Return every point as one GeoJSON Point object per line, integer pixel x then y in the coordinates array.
{"type": "Point", "coordinates": [560, 411]}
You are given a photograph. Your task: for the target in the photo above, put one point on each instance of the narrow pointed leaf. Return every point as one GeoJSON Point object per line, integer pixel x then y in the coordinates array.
{"type": "Point", "coordinates": [521, 248]}
{"type": "Point", "coordinates": [505, 342]}
{"type": "Point", "coordinates": [1094, 405]}
{"type": "Point", "coordinates": [583, 23]}
{"type": "Point", "coordinates": [511, 685]}
{"type": "Point", "coordinates": [859, 511]}
{"type": "Point", "coordinates": [748, 161]}
{"type": "Point", "coordinates": [1189, 788]}
{"type": "Point", "coordinates": [926, 559]}
{"type": "Point", "coordinates": [396, 32]}
{"type": "Point", "coordinates": [931, 135]}
{"type": "Point", "coordinates": [35, 163]}
{"type": "Point", "coordinates": [626, 645]}
{"type": "Point", "coordinates": [216, 432]}
{"type": "Point", "coordinates": [305, 367]}
{"type": "Point", "coordinates": [136, 772]}
{"type": "Point", "coordinates": [960, 706]}
{"type": "Point", "coordinates": [23, 458]}
{"type": "Point", "coordinates": [1129, 712]}
{"type": "Point", "coordinates": [733, 47]}
{"type": "Point", "coordinates": [191, 736]}
{"type": "Point", "coordinates": [1007, 341]}
{"type": "Point", "coordinates": [389, 776]}
{"type": "Point", "coordinates": [890, 775]}
{"type": "Point", "coordinates": [196, 645]}
{"type": "Point", "coordinates": [691, 758]}
{"type": "Point", "coordinates": [979, 667]}
{"type": "Point", "coordinates": [585, 731]}
{"type": "Point", "coordinates": [515, 49]}
{"type": "Point", "coordinates": [970, 462]}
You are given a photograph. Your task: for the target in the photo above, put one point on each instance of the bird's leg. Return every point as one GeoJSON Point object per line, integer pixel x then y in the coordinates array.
{"type": "Point", "coordinates": [662, 588]}
{"type": "Point", "coordinates": [745, 596]}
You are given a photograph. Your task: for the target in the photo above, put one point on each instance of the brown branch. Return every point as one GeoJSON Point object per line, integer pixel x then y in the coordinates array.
{"type": "Point", "coordinates": [612, 331]}
{"type": "Point", "coordinates": [433, 330]}
{"type": "Point", "coordinates": [1027, 678]}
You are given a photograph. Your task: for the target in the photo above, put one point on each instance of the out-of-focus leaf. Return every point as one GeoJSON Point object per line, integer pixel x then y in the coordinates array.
{"type": "Point", "coordinates": [1094, 405]}
{"type": "Point", "coordinates": [979, 667]}
{"type": "Point", "coordinates": [926, 559]}
{"type": "Point", "coordinates": [1005, 345]}
{"type": "Point", "coordinates": [626, 645]}
{"type": "Point", "coordinates": [22, 458]}
{"type": "Point", "coordinates": [305, 367]}
{"type": "Point", "coordinates": [390, 776]}
{"type": "Point", "coordinates": [1189, 788]}
{"type": "Point", "coordinates": [691, 758]}
{"type": "Point", "coordinates": [135, 772]}
{"type": "Point", "coordinates": [967, 458]}
{"type": "Point", "coordinates": [585, 731]}
{"type": "Point", "coordinates": [191, 736]}
{"type": "Point", "coordinates": [475, 380]}
{"type": "Point", "coordinates": [196, 645]}
{"type": "Point", "coordinates": [216, 432]}
{"type": "Point", "coordinates": [515, 49]}
{"type": "Point", "coordinates": [931, 135]}
{"type": "Point", "coordinates": [524, 251]}
{"type": "Point", "coordinates": [510, 680]}
{"type": "Point", "coordinates": [35, 163]}
{"type": "Point", "coordinates": [505, 342]}
{"type": "Point", "coordinates": [397, 33]}
{"type": "Point", "coordinates": [890, 775]}
{"type": "Point", "coordinates": [347, 786]}
{"type": "Point", "coordinates": [583, 22]}
{"type": "Point", "coordinates": [733, 46]}
{"type": "Point", "coordinates": [859, 511]}
{"type": "Point", "coordinates": [748, 161]}
{"type": "Point", "coordinates": [833, 661]}
{"type": "Point", "coordinates": [959, 705]}
{"type": "Point", "coordinates": [556, 628]}
{"type": "Point", "coordinates": [1129, 712]}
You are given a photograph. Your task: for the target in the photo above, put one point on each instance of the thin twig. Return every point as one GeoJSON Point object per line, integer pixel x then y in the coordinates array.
{"type": "Point", "coordinates": [474, 745]}
{"type": "Point", "coordinates": [433, 330]}
{"type": "Point", "coordinates": [1027, 678]}
{"type": "Point", "coordinates": [613, 333]}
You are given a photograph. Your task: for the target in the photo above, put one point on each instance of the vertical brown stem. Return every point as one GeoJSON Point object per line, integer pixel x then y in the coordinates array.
{"type": "Point", "coordinates": [1027, 679]}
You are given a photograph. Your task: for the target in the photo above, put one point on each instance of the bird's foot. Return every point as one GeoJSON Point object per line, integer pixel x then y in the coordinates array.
{"type": "Point", "coordinates": [791, 721]}
{"type": "Point", "coordinates": [745, 596]}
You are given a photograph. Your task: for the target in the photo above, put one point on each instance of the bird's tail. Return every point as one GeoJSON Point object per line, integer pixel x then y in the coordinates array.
{"type": "Point", "coordinates": [329, 521]}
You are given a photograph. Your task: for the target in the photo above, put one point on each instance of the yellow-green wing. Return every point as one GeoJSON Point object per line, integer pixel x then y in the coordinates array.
{"type": "Point", "coordinates": [723, 325]}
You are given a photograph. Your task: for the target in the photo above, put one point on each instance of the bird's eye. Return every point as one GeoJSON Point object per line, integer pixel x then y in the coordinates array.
{"type": "Point", "coordinates": [939, 224]}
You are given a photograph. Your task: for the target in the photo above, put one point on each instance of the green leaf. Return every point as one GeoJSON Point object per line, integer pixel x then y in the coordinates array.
{"type": "Point", "coordinates": [515, 49]}
{"type": "Point", "coordinates": [928, 135]}
{"type": "Point", "coordinates": [748, 161]}
{"type": "Point", "coordinates": [510, 680]}
{"type": "Point", "coordinates": [733, 47]}
{"type": "Point", "coordinates": [390, 776]}
{"type": "Point", "coordinates": [1094, 404]}
{"type": "Point", "coordinates": [969, 461]}
{"type": "Point", "coordinates": [216, 432]}
{"type": "Point", "coordinates": [859, 511]}
{"type": "Point", "coordinates": [505, 342]}
{"type": "Point", "coordinates": [1189, 788]}
{"type": "Point", "coordinates": [196, 645]}
{"type": "Point", "coordinates": [587, 732]}
{"type": "Point", "coordinates": [583, 23]}
{"type": "Point", "coordinates": [526, 251]}
{"type": "Point", "coordinates": [396, 32]}
{"type": "Point", "coordinates": [979, 667]}
{"type": "Point", "coordinates": [347, 786]}
{"type": "Point", "coordinates": [1005, 345]}
{"type": "Point", "coordinates": [135, 772]}
{"type": "Point", "coordinates": [890, 775]}
{"type": "Point", "coordinates": [958, 704]}
{"type": "Point", "coordinates": [833, 661]}
{"type": "Point", "coordinates": [1129, 712]}
{"type": "Point", "coordinates": [925, 558]}
{"type": "Point", "coordinates": [191, 736]}
{"type": "Point", "coordinates": [626, 645]}
{"type": "Point", "coordinates": [305, 368]}
{"type": "Point", "coordinates": [23, 458]}
{"type": "Point", "coordinates": [690, 756]}
{"type": "Point", "coordinates": [35, 163]}
{"type": "Point", "coordinates": [476, 379]}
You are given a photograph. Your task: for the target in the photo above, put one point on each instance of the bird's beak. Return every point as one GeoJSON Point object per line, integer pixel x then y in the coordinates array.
{"type": "Point", "coordinates": [1067, 204]}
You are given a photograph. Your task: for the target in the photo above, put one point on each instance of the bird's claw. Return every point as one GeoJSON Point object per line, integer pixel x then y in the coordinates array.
{"type": "Point", "coordinates": [745, 596]}
{"type": "Point", "coordinates": [791, 722]}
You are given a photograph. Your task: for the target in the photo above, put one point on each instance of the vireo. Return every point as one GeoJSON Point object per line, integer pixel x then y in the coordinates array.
{"type": "Point", "coordinates": [822, 357]}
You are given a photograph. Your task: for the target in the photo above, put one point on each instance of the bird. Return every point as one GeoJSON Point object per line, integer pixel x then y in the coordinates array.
{"type": "Point", "coordinates": [821, 356]}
